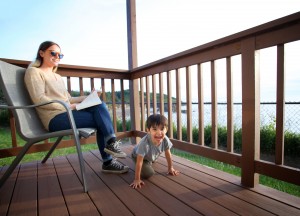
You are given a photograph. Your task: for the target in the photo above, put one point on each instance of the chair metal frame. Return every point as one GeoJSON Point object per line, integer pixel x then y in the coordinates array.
{"type": "Point", "coordinates": [28, 124]}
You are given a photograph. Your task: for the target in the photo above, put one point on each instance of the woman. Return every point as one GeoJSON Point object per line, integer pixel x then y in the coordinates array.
{"type": "Point", "coordinates": [44, 84]}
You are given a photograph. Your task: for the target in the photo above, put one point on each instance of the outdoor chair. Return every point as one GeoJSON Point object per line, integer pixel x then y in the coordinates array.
{"type": "Point", "coordinates": [28, 124]}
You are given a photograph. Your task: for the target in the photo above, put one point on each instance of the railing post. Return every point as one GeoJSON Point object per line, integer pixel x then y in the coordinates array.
{"type": "Point", "coordinates": [280, 106]}
{"type": "Point", "coordinates": [161, 91]}
{"type": "Point", "coordinates": [154, 101]}
{"type": "Point", "coordinates": [178, 105]}
{"type": "Point", "coordinates": [132, 63]}
{"type": "Point", "coordinates": [230, 127]}
{"type": "Point", "coordinates": [170, 103]}
{"type": "Point", "coordinates": [250, 112]}
{"type": "Point", "coordinates": [189, 105]}
{"type": "Point", "coordinates": [142, 100]}
{"type": "Point", "coordinates": [113, 104]}
{"type": "Point", "coordinates": [200, 105]}
{"type": "Point", "coordinates": [148, 95]}
{"type": "Point", "coordinates": [214, 106]}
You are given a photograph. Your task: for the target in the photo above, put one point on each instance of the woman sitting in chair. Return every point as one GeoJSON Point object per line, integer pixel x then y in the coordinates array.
{"type": "Point", "coordinates": [44, 84]}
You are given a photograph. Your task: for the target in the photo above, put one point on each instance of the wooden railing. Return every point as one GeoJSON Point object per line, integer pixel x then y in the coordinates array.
{"type": "Point", "coordinates": [76, 76]}
{"type": "Point", "coordinates": [245, 45]}
{"type": "Point", "coordinates": [182, 66]}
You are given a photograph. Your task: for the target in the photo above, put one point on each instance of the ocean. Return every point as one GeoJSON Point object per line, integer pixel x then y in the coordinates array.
{"type": "Point", "coordinates": [267, 115]}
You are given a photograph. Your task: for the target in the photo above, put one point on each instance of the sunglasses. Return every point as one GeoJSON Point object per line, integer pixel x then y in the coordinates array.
{"type": "Point", "coordinates": [53, 53]}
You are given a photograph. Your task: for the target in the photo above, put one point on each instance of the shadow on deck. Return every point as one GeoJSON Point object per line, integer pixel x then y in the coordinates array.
{"type": "Point", "coordinates": [55, 189]}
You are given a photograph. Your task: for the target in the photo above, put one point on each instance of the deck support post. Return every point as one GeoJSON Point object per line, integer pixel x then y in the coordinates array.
{"type": "Point", "coordinates": [132, 63]}
{"type": "Point", "coordinates": [250, 112]}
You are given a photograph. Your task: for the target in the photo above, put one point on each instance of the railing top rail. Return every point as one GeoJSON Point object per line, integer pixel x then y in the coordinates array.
{"type": "Point", "coordinates": [261, 29]}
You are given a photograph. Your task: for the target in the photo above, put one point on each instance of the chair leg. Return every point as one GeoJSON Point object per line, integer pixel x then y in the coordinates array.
{"type": "Point", "coordinates": [15, 162]}
{"type": "Point", "coordinates": [52, 149]}
{"type": "Point", "coordinates": [78, 147]}
{"type": "Point", "coordinates": [81, 161]}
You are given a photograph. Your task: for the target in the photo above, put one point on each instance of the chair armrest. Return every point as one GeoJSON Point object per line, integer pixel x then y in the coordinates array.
{"type": "Point", "coordinates": [82, 132]}
{"type": "Point", "coordinates": [64, 104]}
{"type": "Point", "coordinates": [5, 106]}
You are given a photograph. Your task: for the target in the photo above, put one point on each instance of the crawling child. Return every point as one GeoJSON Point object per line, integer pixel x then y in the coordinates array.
{"type": "Point", "coordinates": [149, 149]}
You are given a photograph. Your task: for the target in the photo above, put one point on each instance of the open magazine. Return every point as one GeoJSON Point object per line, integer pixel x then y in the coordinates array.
{"type": "Point", "coordinates": [91, 100]}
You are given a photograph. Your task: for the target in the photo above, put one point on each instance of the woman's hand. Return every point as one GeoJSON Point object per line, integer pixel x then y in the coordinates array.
{"type": "Point", "coordinates": [99, 92]}
{"type": "Point", "coordinates": [73, 106]}
{"type": "Point", "coordinates": [173, 172]}
{"type": "Point", "coordinates": [137, 184]}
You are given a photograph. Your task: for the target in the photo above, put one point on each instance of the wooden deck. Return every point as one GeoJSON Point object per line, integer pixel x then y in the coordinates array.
{"type": "Point", "coordinates": [55, 189]}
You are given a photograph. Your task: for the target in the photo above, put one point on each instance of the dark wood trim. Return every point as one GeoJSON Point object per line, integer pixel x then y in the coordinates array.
{"type": "Point", "coordinates": [283, 173]}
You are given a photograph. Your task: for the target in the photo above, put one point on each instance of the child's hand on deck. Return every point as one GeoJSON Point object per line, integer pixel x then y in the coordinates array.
{"type": "Point", "coordinates": [173, 172]}
{"type": "Point", "coordinates": [137, 184]}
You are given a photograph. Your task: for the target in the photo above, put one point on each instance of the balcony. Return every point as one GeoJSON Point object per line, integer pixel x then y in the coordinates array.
{"type": "Point", "coordinates": [198, 190]}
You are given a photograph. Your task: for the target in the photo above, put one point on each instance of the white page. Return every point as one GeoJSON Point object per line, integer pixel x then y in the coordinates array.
{"type": "Point", "coordinates": [91, 100]}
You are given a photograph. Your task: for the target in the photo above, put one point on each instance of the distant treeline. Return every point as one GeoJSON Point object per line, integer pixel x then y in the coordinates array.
{"type": "Point", "coordinates": [118, 96]}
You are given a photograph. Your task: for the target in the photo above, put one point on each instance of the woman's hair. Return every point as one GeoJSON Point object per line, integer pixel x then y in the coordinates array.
{"type": "Point", "coordinates": [39, 60]}
{"type": "Point", "coordinates": [157, 120]}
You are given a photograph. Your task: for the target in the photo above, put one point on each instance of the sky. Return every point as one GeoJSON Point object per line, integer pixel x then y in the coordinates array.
{"type": "Point", "coordinates": [93, 32]}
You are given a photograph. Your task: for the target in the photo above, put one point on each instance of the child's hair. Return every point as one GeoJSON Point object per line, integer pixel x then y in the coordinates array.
{"type": "Point", "coordinates": [157, 120]}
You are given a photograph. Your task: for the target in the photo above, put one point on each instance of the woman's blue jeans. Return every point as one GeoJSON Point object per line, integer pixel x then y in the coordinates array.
{"type": "Point", "coordinates": [93, 117]}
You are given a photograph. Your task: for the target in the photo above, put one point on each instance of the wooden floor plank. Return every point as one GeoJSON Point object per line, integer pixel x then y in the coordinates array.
{"type": "Point", "coordinates": [189, 197]}
{"type": "Point", "coordinates": [140, 204]}
{"type": "Point", "coordinates": [24, 200]}
{"type": "Point", "coordinates": [260, 200]}
{"type": "Point", "coordinates": [55, 188]}
{"type": "Point", "coordinates": [231, 185]}
{"type": "Point", "coordinates": [78, 202]}
{"type": "Point", "coordinates": [196, 201]}
{"type": "Point", "coordinates": [6, 191]}
{"type": "Point", "coordinates": [279, 196]}
{"type": "Point", "coordinates": [211, 193]}
{"type": "Point", "coordinates": [168, 203]}
{"type": "Point", "coordinates": [106, 201]}
{"type": "Point", "coordinates": [131, 198]}
{"type": "Point", "coordinates": [51, 200]}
